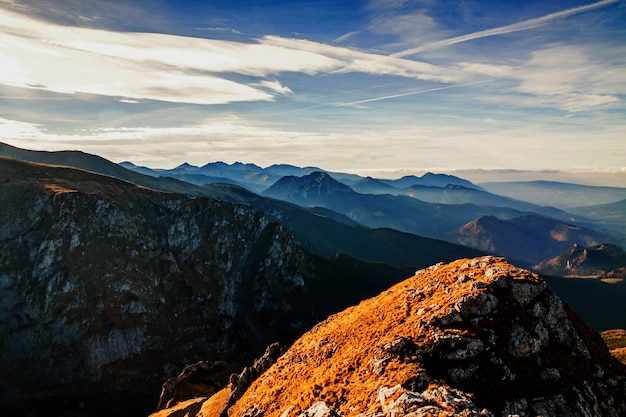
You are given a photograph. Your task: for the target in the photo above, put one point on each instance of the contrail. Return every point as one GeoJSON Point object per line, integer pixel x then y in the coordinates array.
{"type": "Point", "coordinates": [515, 27]}
{"type": "Point", "coordinates": [315, 106]}
{"type": "Point", "coordinates": [410, 93]}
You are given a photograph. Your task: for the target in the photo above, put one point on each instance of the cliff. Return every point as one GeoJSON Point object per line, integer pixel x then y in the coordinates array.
{"type": "Point", "coordinates": [107, 289]}
{"type": "Point", "coordinates": [476, 337]}
{"type": "Point", "coordinates": [605, 261]}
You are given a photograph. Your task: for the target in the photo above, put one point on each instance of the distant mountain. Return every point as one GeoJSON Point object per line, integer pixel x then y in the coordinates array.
{"type": "Point", "coordinates": [249, 176]}
{"type": "Point", "coordinates": [603, 261]}
{"type": "Point", "coordinates": [611, 215]}
{"type": "Point", "coordinates": [431, 180]}
{"type": "Point", "coordinates": [283, 170]}
{"type": "Point", "coordinates": [371, 185]}
{"type": "Point", "coordinates": [311, 190]}
{"type": "Point", "coordinates": [458, 194]}
{"type": "Point", "coordinates": [556, 194]}
{"type": "Point", "coordinates": [327, 233]}
{"type": "Point", "coordinates": [529, 239]}
{"type": "Point", "coordinates": [383, 210]}
{"type": "Point", "coordinates": [140, 169]}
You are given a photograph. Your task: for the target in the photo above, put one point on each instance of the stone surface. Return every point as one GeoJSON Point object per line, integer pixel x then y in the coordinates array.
{"type": "Point", "coordinates": [201, 379]}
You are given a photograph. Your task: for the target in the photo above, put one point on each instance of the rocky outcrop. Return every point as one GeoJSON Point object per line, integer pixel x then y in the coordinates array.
{"type": "Point", "coordinates": [605, 261]}
{"type": "Point", "coordinates": [202, 379]}
{"type": "Point", "coordinates": [476, 337]}
{"type": "Point", "coordinates": [239, 383]}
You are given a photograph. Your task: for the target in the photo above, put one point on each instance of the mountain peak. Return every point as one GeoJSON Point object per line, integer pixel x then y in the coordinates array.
{"type": "Point", "coordinates": [476, 337]}
{"type": "Point", "coordinates": [309, 190]}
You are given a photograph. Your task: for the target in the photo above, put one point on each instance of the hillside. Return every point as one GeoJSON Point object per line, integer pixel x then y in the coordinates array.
{"type": "Point", "coordinates": [616, 341]}
{"type": "Point", "coordinates": [612, 216]}
{"type": "Point", "coordinates": [556, 194]}
{"type": "Point", "coordinates": [603, 261]}
{"type": "Point", "coordinates": [527, 239]}
{"type": "Point", "coordinates": [474, 337]}
{"type": "Point", "coordinates": [108, 288]}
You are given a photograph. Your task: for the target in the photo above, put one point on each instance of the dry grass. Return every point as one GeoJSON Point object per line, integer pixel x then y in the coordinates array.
{"type": "Point", "coordinates": [337, 361]}
{"type": "Point", "coordinates": [57, 189]}
{"type": "Point", "coordinates": [183, 408]}
{"type": "Point", "coordinates": [615, 339]}
{"type": "Point", "coordinates": [620, 354]}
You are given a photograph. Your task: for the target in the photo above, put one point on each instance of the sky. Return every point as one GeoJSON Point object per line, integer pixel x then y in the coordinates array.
{"type": "Point", "coordinates": [374, 87]}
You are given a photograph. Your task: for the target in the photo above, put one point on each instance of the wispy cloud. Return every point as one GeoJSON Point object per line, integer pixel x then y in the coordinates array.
{"type": "Point", "coordinates": [151, 66]}
{"type": "Point", "coordinates": [140, 65]}
{"type": "Point", "coordinates": [276, 86]}
{"type": "Point", "coordinates": [352, 60]}
{"type": "Point", "coordinates": [515, 27]}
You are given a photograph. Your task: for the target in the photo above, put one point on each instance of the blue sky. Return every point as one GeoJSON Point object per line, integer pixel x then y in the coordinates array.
{"type": "Point", "coordinates": [385, 87]}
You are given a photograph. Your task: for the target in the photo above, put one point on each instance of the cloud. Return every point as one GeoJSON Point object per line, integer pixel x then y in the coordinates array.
{"type": "Point", "coordinates": [276, 86]}
{"type": "Point", "coordinates": [140, 65]}
{"type": "Point", "coordinates": [16, 130]}
{"type": "Point", "coordinates": [351, 60]}
{"type": "Point", "coordinates": [515, 27]}
{"type": "Point", "coordinates": [567, 78]}
{"type": "Point", "coordinates": [220, 29]}
{"type": "Point", "coordinates": [466, 141]}
{"type": "Point", "coordinates": [491, 70]}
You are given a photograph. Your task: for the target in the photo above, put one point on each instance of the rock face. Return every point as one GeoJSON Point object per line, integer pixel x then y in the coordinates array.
{"type": "Point", "coordinates": [476, 337]}
{"type": "Point", "coordinates": [107, 289]}
{"type": "Point", "coordinates": [603, 261]}
{"type": "Point", "coordinates": [201, 379]}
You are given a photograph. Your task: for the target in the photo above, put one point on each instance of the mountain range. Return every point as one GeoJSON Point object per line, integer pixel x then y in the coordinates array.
{"type": "Point", "coordinates": [527, 238]}
{"type": "Point", "coordinates": [322, 232]}
{"type": "Point", "coordinates": [327, 216]}
{"type": "Point", "coordinates": [111, 279]}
